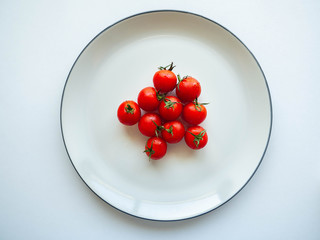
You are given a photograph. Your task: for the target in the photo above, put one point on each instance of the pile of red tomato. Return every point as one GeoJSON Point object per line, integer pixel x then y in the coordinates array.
{"type": "Point", "coordinates": [163, 110]}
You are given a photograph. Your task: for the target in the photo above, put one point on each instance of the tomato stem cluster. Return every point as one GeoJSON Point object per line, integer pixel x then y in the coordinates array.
{"type": "Point", "coordinates": [198, 137]}
{"type": "Point", "coordinates": [170, 66]}
{"type": "Point", "coordinates": [170, 130]}
{"type": "Point", "coordinates": [197, 105]}
{"type": "Point", "coordinates": [179, 80]}
{"type": "Point", "coordinates": [160, 96]}
{"type": "Point", "coordinates": [129, 109]}
{"type": "Point", "coordinates": [160, 128]}
{"type": "Point", "coordinates": [169, 103]}
{"type": "Point", "coordinates": [149, 150]}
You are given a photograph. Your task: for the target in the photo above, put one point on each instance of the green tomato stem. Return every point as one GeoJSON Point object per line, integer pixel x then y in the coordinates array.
{"type": "Point", "coordinates": [170, 130]}
{"type": "Point", "coordinates": [198, 105]}
{"type": "Point", "coordinates": [198, 137]}
{"type": "Point", "coordinates": [170, 66]}
{"type": "Point", "coordinates": [149, 150]}
{"type": "Point", "coordinates": [179, 80]}
{"type": "Point", "coordinates": [158, 129]}
{"type": "Point", "coordinates": [129, 109]}
{"type": "Point", "coordinates": [169, 103]}
{"type": "Point", "coordinates": [160, 96]}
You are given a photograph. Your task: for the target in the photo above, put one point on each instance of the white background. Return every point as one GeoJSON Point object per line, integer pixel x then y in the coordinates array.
{"type": "Point", "coordinates": [42, 197]}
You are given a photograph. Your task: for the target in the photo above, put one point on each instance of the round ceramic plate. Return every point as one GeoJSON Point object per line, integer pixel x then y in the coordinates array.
{"type": "Point", "coordinates": [108, 156]}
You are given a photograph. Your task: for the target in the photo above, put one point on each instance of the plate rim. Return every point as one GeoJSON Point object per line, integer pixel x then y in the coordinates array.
{"type": "Point", "coordinates": [173, 11]}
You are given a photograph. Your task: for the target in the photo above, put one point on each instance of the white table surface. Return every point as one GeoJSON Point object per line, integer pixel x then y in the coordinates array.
{"type": "Point", "coordinates": [42, 197]}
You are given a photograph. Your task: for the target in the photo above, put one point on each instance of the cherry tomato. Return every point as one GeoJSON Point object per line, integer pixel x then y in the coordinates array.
{"type": "Point", "coordinates": [170, 108]}
{"type": "Point", "coordinates": [165, 80]}
{"type": "Point", "coordinates": [155, 148]}
{"type": "Point", "coordinates": [188, 89]}
{"type": "Point", "coordinates": [173, 131]}
{"type": "Point", "coordinates": [194, 113]}
{"type": "Point", "coordinates": [129, 113]}
{"type": "Point", "coordinates": [196, 137]}
{"type": "Point", "coordinates": [149, 99]}
{"type": "Point", "coordinates": [148, 124]}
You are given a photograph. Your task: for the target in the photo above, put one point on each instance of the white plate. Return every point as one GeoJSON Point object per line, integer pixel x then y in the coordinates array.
{"type": "Point", "coordinates": [109, 157]}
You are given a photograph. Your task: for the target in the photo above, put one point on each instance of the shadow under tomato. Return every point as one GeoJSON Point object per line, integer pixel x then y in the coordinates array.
{"type": "Point", "coordinates": [135, 135]}
{"type": "Point", "coordinates": [181, 152]}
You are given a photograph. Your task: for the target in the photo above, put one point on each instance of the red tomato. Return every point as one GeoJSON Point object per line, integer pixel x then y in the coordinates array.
{"type": "Point", "coordinates": [173, 131]}
{"type": "Point", "coordinates": [194, 113]}
{"type": "Point", "coordinates": [149, 99]}
{"type": "Point", "coordinates": [196, 137]}
{"type": "Point", "coordinates": [188, 89]}
{"type": "Point", "coordinates": [170, 108]}
{"type": "Point", "coordinates": [149, 124]}
{"type": "Point", "coordinates": [165, 80]}
{"type": "Point", "coordinates": [129, 113]}
{"type": "Point", "coordinates": [155, 148]}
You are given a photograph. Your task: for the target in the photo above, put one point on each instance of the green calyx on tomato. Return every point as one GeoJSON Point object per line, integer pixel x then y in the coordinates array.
{"type": "Point", "coordinates": [158, 129]}
{"type": "Point", "coordinates": [198, 137]}
{"type": "Point", "coordinates": [179, 80]}
{"type": "Point", "coordinates": [169, 103]}
{"type": "Point", "coordinates": [170, 130]}
{"type": "Point", "coordinates": [198, 105]}
{"type": "Point", "coordinates": [160, 96]}
{"type": "Point", "coordinates": [149, 150]}
{"type": "Point", "coordinates": [129, 109]}
{"type": "Point", "coordinates": [170, 66]}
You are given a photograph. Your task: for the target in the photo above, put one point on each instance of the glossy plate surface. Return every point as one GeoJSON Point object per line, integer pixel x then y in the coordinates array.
{"type": "Point", "coordinates": [109, 157]}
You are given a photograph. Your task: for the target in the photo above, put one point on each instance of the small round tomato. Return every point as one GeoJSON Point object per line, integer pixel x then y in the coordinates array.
{"type": "Point", "coordinates": [188, 89]}
{"type": "Point", "coordinates": [129, 113]}
{"type": "Point", "coordinates": [173, 131]}
{"type": "Point", "coordinates": [170, 108]}
{"type": "Point", "coordinates": [194, 113]}
{"type": "Point", "coordinates": [149, 124]}
{"type": "Point", "coordinates": [196, 137]}
{"type": "Point", "coordinates": [149, 99]}
{"type": "Point", "coordinates": [165, 80]}
{"type": "Point", "coordinates": [155, 148]}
